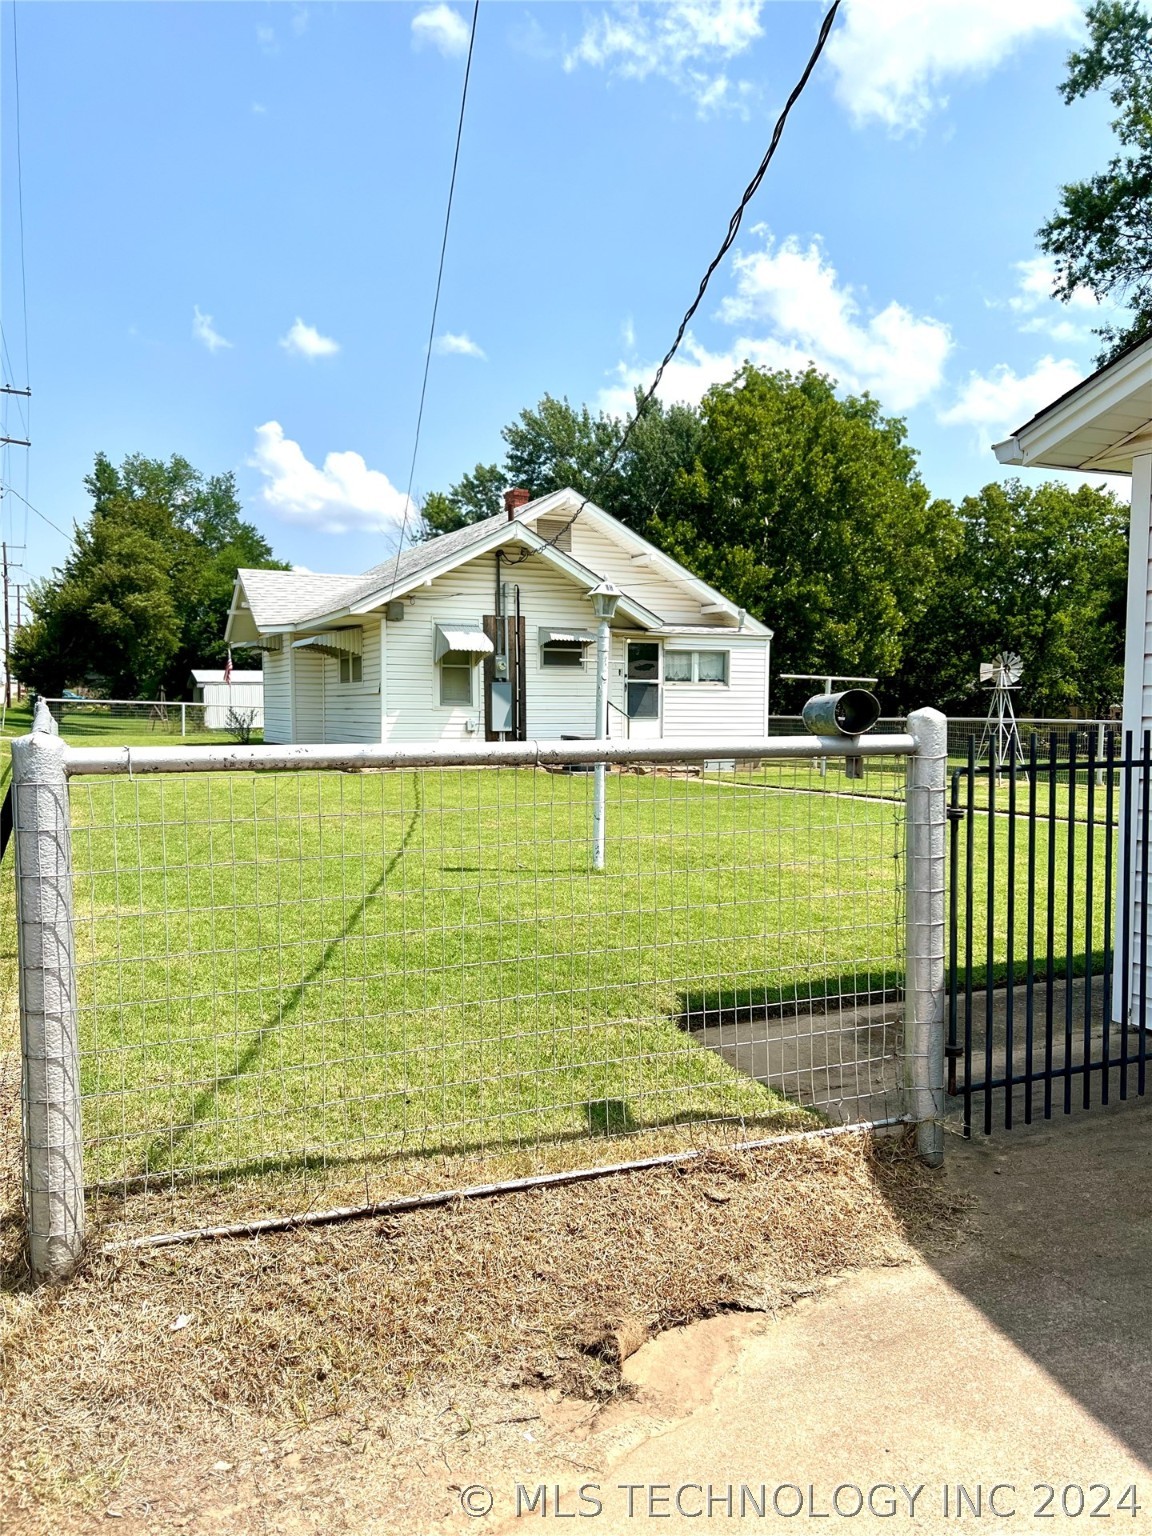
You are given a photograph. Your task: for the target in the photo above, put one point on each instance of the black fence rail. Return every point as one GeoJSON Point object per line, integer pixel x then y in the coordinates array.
{"type": "Point", "coordinates": [1048, 929]}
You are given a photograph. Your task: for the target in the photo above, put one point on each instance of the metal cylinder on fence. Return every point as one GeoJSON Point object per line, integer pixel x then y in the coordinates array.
{"type": "Point", "coordinates": [50, 1077]}
{"type": "Point", "coordinates": [924, 1007]}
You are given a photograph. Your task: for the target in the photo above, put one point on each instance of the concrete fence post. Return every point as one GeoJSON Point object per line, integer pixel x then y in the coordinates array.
{"type": "Point", "coordinates": [924, 1005]}
{"type": "Point", "coordinates": [50, 1081]}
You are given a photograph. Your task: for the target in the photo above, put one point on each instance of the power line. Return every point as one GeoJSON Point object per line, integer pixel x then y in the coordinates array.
{"type": "Point", "coordinates": [436, 299]}
{"type": "Point", "coordinates": [725, 246]}
{"type": "Point", "coordinates": [20, 187]}
{"type": "Point", "coordinates": [10, 490]}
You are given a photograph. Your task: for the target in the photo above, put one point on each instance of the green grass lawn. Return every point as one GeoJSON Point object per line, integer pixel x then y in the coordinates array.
{"type": "Point", "coordinates": [296, 971]}
{"type": "Point", "coordinates": [331, 966]}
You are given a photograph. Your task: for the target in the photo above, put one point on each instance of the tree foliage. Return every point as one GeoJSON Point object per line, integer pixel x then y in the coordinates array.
{"type": "Point", "coordinates": [554, 445]}
{"type": "Point", "coordinates": [1101, 233]}
{"type": "Point", "coordinates": [1040, 570]}
{"type": "Point", "coordinates": [143, 596]}
{"type": "Point", "coordinates": [807, 509]}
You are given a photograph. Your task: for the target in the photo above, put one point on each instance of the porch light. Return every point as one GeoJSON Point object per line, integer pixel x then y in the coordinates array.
{"type": "Point", "coordinates": [605, 597]}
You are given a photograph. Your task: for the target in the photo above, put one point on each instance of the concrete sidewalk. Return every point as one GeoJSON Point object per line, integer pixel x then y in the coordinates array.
{"type": "Point", "coordinates": [1022, 1356]}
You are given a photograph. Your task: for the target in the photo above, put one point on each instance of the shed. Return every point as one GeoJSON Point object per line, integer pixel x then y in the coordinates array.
{"type": "Point", "coordinates": [245, 690]}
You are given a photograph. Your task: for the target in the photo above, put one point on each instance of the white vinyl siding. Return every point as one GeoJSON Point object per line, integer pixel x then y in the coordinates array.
{"type": "Point", "coordinates": [560, 700]}
{"type": "Point", "coordinates": [1137, 716]}
{"type": "Point", "coordinates": [277, 698]}
{"type": "Point", "coordinates": [738, 709]}
{"type": "Point", "coordinates": [645, 582]}
{"type": "Point", "coordinates": [352, 709]}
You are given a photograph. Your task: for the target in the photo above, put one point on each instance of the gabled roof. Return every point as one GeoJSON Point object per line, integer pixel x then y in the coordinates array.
{"type": "Point", "coordinates": [1099, 424]}
{"type": "Point", "coordinates": [280, 600]}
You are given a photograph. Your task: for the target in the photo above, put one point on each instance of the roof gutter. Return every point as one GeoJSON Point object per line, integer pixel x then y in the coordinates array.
{"type": "Point", "coordinates": [1009, 451]}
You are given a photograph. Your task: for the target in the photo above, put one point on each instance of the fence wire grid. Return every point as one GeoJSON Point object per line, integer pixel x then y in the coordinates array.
{"type": "Point", "coordinates": [301, 990]}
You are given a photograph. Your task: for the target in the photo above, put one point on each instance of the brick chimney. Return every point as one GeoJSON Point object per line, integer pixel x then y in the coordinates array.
{"type": "Point", "coordinates": [514, 499]}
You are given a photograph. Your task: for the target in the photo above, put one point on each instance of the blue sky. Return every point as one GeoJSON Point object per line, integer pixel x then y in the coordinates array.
{"type": "Point", "coordinates": [232, 214]}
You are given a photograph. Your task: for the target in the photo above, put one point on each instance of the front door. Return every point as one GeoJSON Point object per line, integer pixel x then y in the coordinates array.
{"type": "Point", "coordinates": [642, 687]}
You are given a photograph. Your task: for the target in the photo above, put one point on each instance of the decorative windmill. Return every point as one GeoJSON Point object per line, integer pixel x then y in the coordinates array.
{"type": "Point", "coordinates": [1001, 733]}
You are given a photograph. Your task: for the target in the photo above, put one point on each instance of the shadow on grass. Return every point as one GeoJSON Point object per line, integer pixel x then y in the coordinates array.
{"type": "Point", "coordinates": [603, 1117]}
{"type": "Point", "coordinates": [162, 1148]}
{"type": "Point", "coordinates": [768, 1001]}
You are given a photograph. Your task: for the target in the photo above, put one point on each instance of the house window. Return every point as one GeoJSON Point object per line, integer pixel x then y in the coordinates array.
{"type": "Point", "coordinates": [456, 678]}
{"type": "Point", "coordinates": [562, 653]}
{"type": "Point", "coordinates": [695, 666]}
{"type": "Point", "coordinates": [351, 669]}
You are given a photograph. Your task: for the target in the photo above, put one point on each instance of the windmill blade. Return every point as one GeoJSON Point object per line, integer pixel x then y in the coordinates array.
{"type": "Point", "coordinates": [986, 671]}
{"type": "Point", "coordinates": [1011, 667]}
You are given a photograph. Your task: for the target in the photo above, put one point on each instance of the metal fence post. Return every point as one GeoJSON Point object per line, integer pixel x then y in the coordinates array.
{"type": "Point", "coordinates": [53, 1171]}
{"type": "Point", "coordinates": [924, 1007]}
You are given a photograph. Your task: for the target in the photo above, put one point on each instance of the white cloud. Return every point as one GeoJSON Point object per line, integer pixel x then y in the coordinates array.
{"type": "Point", "coordinates": [891, 57]}
{"type": "Point", "coordinates": [306, 341]}
{"type": "Point", "coordinates": [258, 109]}
{"type": "Point", "coordinates": [1037, 311]}
{"type": "Point", "coordinates": [996, 402]}
{"type": "Point", "coordinates": [204, 329]}
{"type": "Point", "coordinates": [340, 496]}
{"type": "Point", "coordinates": [457, 344]}
{"type": "Point", "coordinates": [441, 27]}
{"type": "Point", "coordinates": [793, 310]}
{"type": "Point", "coordinates": [684, 41]}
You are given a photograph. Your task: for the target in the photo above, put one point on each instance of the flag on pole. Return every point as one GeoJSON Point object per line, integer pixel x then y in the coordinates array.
{"type": "Point", "coordinates": [228, 668]}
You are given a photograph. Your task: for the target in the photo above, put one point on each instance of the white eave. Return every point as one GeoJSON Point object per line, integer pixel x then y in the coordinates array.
{"type": "Point", "coordinates": [1101, 424]}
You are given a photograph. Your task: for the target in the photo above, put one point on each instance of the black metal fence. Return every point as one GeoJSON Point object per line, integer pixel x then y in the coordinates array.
{"type": "Point", "coordinates": [1048, 940]}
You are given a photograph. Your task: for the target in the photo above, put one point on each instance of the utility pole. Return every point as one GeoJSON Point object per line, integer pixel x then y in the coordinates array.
{"type": "Point", "coordinates": [7, 669]}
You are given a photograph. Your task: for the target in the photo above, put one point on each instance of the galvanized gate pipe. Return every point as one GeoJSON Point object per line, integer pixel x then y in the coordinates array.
{"type": "Point", "coordinates": [924, 1006]}
{"type": "Point", "coordinates": [53, 1146]}
{"type": "Point", "coordinates": [600, 772]}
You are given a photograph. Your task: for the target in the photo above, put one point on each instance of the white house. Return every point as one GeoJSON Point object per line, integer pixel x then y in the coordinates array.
{"type": "Point", "coordinates": [244, 691]}
{"type": "Point", "coordinates": [489, 631]}
{"type": "Point", "coordinates": [1105, 423]}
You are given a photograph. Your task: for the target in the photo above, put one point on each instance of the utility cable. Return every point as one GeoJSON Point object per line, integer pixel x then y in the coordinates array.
{"type": "Point", "coordinates": [436, 299]}
{"type": "Point", "coordinates": [725, 246]}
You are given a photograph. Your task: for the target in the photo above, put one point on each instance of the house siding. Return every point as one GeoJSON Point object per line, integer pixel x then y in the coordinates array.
{"type": "Point", "coordinates": [277, 697]}
{"type": "Point", "coordinates": [559, 701]}
{"type": "Point", "coordinates": [1138, 720]}
{"type": "Point", "coordinates": [647, 584]}
{"type": "Point", "coordinates": [738, 708]}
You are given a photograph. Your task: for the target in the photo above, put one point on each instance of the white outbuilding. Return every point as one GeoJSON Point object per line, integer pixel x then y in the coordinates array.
{"type": "Point", "coordinates": [220, 694]}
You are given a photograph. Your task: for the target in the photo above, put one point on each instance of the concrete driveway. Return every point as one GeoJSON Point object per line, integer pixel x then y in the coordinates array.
{"type": "Point", "coordinates": [1015, 1366]}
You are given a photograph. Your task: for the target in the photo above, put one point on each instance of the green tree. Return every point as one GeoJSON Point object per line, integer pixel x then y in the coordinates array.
{"type": "Point", "coordinates": [807, 509]}
{"type": "Point", "coordinates": [554, 445]}
{"type": "Point", "coordinates": [144, 593]}
{"type": "Point", "coordinates": [1101, 233]}
{"type": "Point", "coordinates": [1042, 571]}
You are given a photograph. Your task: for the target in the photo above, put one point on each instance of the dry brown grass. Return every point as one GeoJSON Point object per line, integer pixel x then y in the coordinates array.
{"type": "Point", "coordinates": [148, 1359]}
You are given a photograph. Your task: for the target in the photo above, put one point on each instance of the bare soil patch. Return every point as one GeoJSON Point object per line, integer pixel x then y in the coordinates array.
{"type": "Point", "coordinates": [194, 1388]}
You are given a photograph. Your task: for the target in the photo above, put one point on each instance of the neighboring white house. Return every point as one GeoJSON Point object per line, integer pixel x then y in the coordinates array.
{"type": "Point", "coordinates": [489, 631]}
{"type": "Point", "coordinates": [1105, 424]}
{"type": "Point", "coordinates": [245, 691]}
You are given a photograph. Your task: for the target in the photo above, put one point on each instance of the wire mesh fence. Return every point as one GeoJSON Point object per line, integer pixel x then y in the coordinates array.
{"type": "Point", "coordinates": [83, 721]}
{"type": "Point", "coordinates": [300, 990]}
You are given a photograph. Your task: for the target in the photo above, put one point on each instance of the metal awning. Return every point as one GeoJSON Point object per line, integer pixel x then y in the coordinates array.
{"type": "Point", "coordinates": [566, 636]}
{"type": "Point", "coordinates": [333, 642]}
{"type": "Point", "coordinates": [465, 639]}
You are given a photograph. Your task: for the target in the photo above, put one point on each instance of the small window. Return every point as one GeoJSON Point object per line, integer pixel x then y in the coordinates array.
{"type": "Point", "coordinates": [351, 669]}
{"type": "Point", "coordinates": [562, 653]}
{"type": "Point", "coordinates": [456, 678]}
{"type": "Point", "coordinates": [695, 666]}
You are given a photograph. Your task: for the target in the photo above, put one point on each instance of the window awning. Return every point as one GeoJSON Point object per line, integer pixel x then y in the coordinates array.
{"type": "Point", "coordinates": [566, 636]}
{"type": "Point", "coordinates": [465, 639]}
{"type": "Point", "coordinates": [333, 642]}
